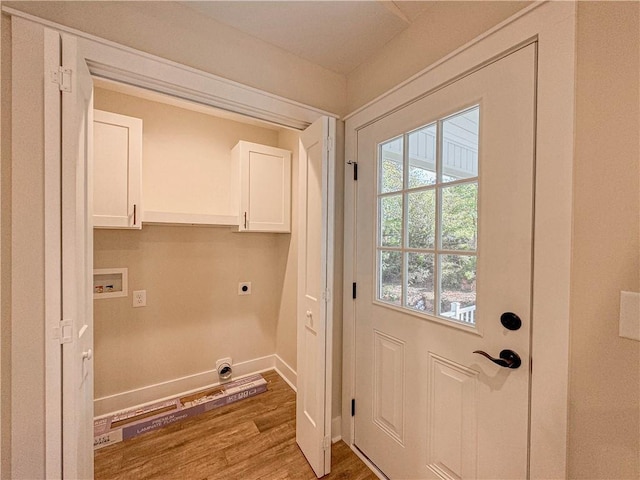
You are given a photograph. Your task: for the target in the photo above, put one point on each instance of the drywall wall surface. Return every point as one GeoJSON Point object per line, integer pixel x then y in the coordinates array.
{"type": "Point", "coordinates": [438, 31]}
{"type": "Point", "coordinates": [604, 411]}
{"type": "Point", "coordinates": [178, 33]}
{"type": "Point", "coordinates": [286, 338]}
{"type": "Point", "coordinates": [5, 248]}
{"type": "Point", "coordinates": [194, 314]}
{"type": "Point", "coordinates": [27, 362]}
{"type": "Point", "coordinates": [185, 153]}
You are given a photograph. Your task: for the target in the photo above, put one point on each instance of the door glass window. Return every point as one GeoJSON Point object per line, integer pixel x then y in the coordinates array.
{"type": "Point", "coordinates": [427, 231]}
{"type": "Point", "coordinates": [422, 156]}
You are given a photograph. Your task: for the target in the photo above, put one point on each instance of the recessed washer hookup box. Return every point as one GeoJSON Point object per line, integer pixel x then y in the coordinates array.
{"type": "Point", "coordinates": [119, 426]}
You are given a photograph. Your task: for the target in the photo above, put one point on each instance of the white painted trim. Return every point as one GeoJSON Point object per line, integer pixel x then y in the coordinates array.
{"type": "Point", "coordinates": [178, 386]}
{"type": "Point", "coordinates": [52, 257]}
{"type": "Point", "coordinates": [336, 429]}
{"type": "Point", "coordinates": [287, 373]}
{"type": "Point", "coordinates": [110, 60]}
{"type": "Point", "coordinates": [156, 97]}
{"type": "Point", "coordinates": [553, 26]}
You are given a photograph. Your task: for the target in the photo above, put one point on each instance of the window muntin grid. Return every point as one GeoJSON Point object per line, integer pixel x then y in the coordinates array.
{"type": "Point", "coordinates": [427, 199]}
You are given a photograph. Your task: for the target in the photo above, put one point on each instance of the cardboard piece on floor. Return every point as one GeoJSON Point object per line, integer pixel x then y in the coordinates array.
{"type": "Point", "coordinates": [119, 426]}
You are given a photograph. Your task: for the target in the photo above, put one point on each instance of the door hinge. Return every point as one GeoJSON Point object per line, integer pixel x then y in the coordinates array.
{"type": "Point", "coordinates": [353, 407]}
{"type": "Point", "coordinates": [62, 77]}
{"type": "Point", "coordinates": [326, 443]}
{"type": "Point", "coordinates": [355, 169]}
{"type": "Point", "coordinates": [354, 290]}
{"type": "Point", "coordinates": [326, 295]}
{"type": "Point", "coordinates": [329, 143]}
{"type": "Point", "coordinates": [64, 331]}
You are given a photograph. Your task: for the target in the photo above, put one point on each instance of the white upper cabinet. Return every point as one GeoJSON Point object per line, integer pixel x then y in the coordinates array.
{"type": "Point", "coordinates": [265, 187]}
{"type": "Point", "coordinates": [117, 167]}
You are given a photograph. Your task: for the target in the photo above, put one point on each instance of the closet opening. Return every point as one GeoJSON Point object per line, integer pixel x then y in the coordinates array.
{"type": "Point", "coordinates": [191, 269]}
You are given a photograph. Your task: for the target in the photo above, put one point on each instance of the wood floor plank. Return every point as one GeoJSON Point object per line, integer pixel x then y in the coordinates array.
{"type": "Point", "coordinates": [276, 417]}
{"type": "Point", "coordinates": [253, 439]}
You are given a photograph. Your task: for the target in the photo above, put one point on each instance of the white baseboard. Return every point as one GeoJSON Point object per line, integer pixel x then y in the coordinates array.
{"type": "Point", "coordinates": [336, 429]}
{"type": "Point", "coordinates": [287, 373]}
{"type": "Point", "coordinates": [184, 385]}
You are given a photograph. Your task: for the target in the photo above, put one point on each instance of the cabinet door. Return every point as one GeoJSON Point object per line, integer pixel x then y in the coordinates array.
{"type": "Point", "coordinates": [265, 175]}
{"type": "Point", "coordinates": [117, 167]}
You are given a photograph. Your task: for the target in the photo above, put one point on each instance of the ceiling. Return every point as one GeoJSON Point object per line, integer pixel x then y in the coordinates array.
{"type": "Point", "coordinates": [337, 35]}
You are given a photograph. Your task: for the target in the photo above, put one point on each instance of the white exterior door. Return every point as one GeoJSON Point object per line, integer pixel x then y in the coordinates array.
{"type": "Point", "coordinates": [444, 252]}
{"type": "Point", "coordinates": [77, 265]}
{"type": "Point", "coordinates": [315, 277]}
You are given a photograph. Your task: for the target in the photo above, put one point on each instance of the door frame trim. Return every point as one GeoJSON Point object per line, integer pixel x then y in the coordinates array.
{"type": "Point", "coordinates": [117, 62]}
{"type": "Point", "coordinates": [552, 25]}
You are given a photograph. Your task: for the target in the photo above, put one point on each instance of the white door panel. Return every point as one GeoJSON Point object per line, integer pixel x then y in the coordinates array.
{"type": "Point", "coordinates": [77, 266]}
{"type": "Point", "coordinates": [426, 405]}
{"type": "Point", "coordinates": [315, 278]}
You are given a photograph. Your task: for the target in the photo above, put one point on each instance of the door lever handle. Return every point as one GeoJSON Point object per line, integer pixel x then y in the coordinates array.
{"type": "Point", "coordinates": [508, 358]}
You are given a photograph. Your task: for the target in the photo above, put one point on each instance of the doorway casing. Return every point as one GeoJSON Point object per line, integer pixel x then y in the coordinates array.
{"type": "Point", "coordinates": [552, 27]}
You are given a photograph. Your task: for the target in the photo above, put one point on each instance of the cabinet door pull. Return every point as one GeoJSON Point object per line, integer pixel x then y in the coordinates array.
{"type": "Point", "coordinates": [245, 220]}
{"type": "Point", "coordinates": [134, 214]}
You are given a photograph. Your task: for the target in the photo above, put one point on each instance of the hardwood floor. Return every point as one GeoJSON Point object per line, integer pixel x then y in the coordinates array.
{"type": "Point", "coordinates": [251, 439]}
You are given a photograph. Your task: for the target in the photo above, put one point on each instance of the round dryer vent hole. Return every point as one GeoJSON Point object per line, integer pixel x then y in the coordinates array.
{"type": "Point", "coordinates": [223, 366]}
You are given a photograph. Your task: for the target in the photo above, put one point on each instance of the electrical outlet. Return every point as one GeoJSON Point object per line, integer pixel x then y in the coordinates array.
{"type": "Point", "coordinates": [139, 298]}
{"type": "Point", "coordinates": [244, 288]}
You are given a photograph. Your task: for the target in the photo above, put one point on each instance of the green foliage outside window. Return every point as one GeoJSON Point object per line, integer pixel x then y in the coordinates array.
{"type": "Point", "coordinates": [458, 230]}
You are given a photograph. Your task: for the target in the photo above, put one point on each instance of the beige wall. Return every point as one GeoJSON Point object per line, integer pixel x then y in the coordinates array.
{"type": "Point", "coordinates": [439, 30]}
{"type": "Point", "coordinates": [604, 413]}
{"type": "Point", "coordinates": [178, 33]}
{"type": "Point", "coordinates": [286, 338]}
{"type": "Point", "coordinates": [186, 165]}
{"type": "Point", "coordinates": [194, 314]}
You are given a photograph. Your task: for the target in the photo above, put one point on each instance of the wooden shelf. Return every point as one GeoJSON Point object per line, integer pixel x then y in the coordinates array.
{"type": "Point", "coordinates": [189, 219]}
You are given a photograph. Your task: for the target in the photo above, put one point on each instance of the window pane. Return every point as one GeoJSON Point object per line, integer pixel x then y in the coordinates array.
{"type": "Point", "coordinates": [460, 145]}
{"type": "Point", "coordinates": [390, 277]}
{"type": "Point", "coordinates": [458, 287]}
{"type": "Point", "coordinates": [460, 217]}
{"type": "Point", "coordinates": [422, 157]}
{"type": "Point", "coordinates": [391, 166]}
{"type": "Point", "coordinates": [422, 219]}
{"type": "Point", "coordinates": [420, 282]}
{"type": "Point", "coordinates": [427, 234]}
{"type": "Point", "coordinates": [391, 221]}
